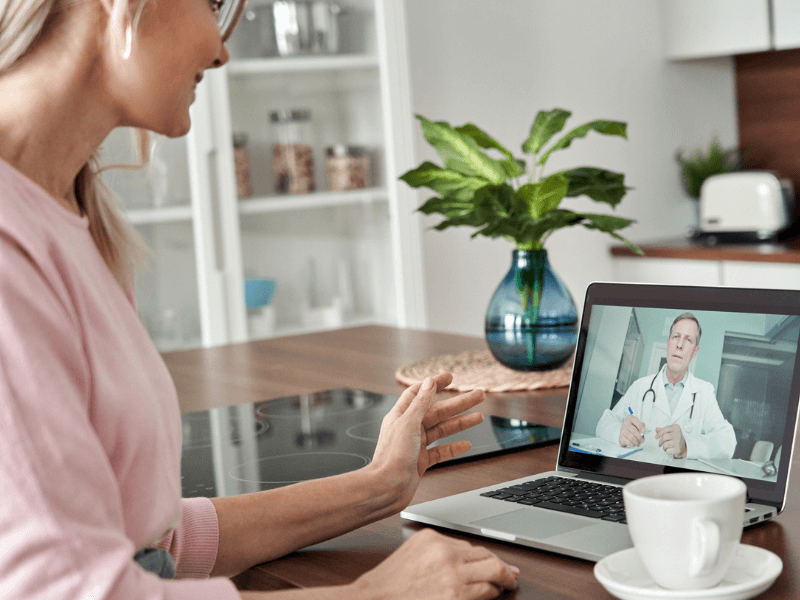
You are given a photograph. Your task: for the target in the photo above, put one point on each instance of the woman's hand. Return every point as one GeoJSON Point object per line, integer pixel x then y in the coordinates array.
{"type": "Point", "coordinates": [432, 566]}
{"type": "Point", "coordinates": [416, 421]}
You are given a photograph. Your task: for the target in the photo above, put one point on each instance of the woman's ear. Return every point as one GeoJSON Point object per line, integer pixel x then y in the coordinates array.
{"type": "Point", "coordinates": [123, 20]}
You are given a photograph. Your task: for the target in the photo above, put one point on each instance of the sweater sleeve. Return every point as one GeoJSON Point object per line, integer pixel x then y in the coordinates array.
{"type": "Point", "coordinates": [194, 543]}
{"type": "Point", "coordinates": [62, 528]}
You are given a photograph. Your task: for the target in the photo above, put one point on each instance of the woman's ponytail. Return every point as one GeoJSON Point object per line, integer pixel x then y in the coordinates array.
{"type": "Point", "coordinates": [120, 245]}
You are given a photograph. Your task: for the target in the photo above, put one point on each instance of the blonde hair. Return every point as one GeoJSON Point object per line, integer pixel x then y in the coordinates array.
{"type": "Point", "coordinates": [22, 23]}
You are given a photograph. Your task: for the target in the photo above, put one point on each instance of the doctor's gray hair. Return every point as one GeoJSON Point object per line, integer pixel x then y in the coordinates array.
{"type": "Point", "coordinates": [690, 317]}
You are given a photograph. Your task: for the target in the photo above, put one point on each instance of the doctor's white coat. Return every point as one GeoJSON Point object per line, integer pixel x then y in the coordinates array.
{"type": "Point", "coordinates": [707, 433]}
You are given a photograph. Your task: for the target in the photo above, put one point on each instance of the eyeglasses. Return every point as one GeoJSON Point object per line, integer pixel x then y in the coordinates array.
{"type": "Point", "coordinates": [229, 13]}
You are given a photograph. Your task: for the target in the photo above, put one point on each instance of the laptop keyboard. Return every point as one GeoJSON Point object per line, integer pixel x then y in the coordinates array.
{"type": "Point", "coordinates": [574, 496]}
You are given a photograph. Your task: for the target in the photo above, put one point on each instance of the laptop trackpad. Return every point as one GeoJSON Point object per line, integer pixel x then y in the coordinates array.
{"type": "Point", "coordinates": [533, 524]}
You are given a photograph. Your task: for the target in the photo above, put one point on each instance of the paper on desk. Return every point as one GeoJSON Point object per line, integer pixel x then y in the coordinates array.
{"type": "Point", "coordinates": [601, 447]}
{"type": "Point", "coordinates": [736, 467]}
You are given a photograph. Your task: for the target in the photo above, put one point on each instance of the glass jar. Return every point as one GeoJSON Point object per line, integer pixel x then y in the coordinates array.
{"type": "Point", "coordinates": [346, 167]}
{"type": "Point", "coordinates": [324, 27]}
{"type": "Point", "coordinates": [292, 156]}
{"type": "Point", "coordinates": [241, 161]}
{"type": "Point", "coordinates": [292, 20]}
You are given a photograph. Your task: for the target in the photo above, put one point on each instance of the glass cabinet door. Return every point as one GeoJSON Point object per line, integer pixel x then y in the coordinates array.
{"type": "Point", "coordinates": [343, 249]}
{"type": "Point", "coordinates": [321, 213]}
{"type": "Point", "coordinates": [156, 200]}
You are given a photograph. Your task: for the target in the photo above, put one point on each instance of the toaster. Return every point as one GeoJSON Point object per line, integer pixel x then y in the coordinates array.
{"type": "Point", "coordinates": [745, 206]}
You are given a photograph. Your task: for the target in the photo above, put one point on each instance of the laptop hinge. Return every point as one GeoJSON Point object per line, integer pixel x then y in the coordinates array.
{"type": "Point", "coordinates": [598, 477]}
{"type": "Point", "coordinates": [605, 478]}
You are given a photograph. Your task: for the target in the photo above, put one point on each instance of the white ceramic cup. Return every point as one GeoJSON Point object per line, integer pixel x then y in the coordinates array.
{"type": "Point", "coordinates": [686, 527]}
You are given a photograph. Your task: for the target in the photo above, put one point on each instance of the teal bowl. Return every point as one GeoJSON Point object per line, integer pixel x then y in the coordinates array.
{"type": "Point", "coordinates": [258, 292]}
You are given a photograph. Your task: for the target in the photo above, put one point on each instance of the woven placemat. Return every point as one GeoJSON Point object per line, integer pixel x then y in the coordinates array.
{"type": "Point", "coordinates": [479, 369]}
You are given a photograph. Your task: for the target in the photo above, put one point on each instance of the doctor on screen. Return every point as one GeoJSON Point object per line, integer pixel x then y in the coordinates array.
{"type": "Point", "coordinates": [672, 408]}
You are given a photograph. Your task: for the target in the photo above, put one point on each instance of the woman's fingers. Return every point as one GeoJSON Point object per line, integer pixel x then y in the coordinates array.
{"type": "Point", "coordinates": [454, 425]}
{"type": "Point", "coordinates": [450, 407]}
{"type": "Point", "coordinates": [482, 591]}
{"type": "Point", "coordinates": [492, 570]}
{"type": "Point", "coordinates": [440, 380]}
{"type": "Point", "coordinates": [438, 454]}
{"type": "Point", "coordinates": [430, 565]}
{"type": "Point", "coordinates": [482, 567]}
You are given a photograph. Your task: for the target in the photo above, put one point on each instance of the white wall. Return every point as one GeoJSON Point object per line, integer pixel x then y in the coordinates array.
{"type": "Point", "coordinates": [496, 63]}
{"type": "Point", "coordinates": [602, 366]}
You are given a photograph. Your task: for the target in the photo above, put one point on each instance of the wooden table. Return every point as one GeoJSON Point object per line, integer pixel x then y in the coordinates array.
{"type": "Point", "coordinates": [366, 358]}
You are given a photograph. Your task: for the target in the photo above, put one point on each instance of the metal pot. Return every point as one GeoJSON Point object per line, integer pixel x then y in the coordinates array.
{"type": "Point", "coordinates": [306, 26]}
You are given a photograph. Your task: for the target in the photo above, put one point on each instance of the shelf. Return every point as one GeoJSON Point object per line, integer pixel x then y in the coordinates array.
{"type": "Point", "coordinates": [354, 321]}
{"type": "Point", "coordinates": [267, 204]}
{"type": "Point", "coordinates": [164, 214]}
{"type": "Point", "coordinates": [333, 62]}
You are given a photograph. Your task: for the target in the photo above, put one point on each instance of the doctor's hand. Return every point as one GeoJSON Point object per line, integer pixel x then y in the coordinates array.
{"type": "Point", "coordinates": [632, 432]}
{"type": "Point", "coordinates": [671, 440]}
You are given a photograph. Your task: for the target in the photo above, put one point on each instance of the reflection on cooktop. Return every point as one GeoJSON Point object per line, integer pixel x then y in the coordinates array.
{"type": "Point", "coordinates": [274, 443]}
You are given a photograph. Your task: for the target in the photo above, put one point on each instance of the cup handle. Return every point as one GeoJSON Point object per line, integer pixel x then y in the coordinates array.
{"type": "Point", "coordinates": [705, 547]}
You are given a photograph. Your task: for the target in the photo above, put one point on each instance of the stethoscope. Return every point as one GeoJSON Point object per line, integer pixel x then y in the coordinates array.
{"type": "Point", "coordinates": [650, 390]}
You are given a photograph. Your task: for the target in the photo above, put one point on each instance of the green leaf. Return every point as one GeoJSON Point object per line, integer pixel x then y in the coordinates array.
{"type": "Point", "coordinates": [470, 220]}
{"type": "Point", "coordinates": [536, 230]}
{"type": "Point", "coordinates": [499, 210]}
{"type": "Point", "coordinates": [483, 139]}
{"type": "Point", "coordinates": [544, 196]}
{"type": "Point", "coordinates": [603, 127]}
{"type": "Point", "coordinates": [544, 127]}
{"type": "Point", "coordinates": [513, 167]}
{"type": "Point", "coordinates": [495, 202]}
{"type": "Point", "coordinates": [443, 181]}
{"type": "Point", "coordinates": [610, 224]}
{"type": "Point", "coordinates": [460, 152]}
{"type": "Point", "coordinates": [600, 185]}
{"type": "Point", "coordinates": [700, 167]}
{"type": "Point", "coordinates": [449, 207]}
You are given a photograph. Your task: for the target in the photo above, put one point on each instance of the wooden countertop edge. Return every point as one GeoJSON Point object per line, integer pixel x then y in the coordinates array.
{"type": "Point", "coordinates": [686, 250]}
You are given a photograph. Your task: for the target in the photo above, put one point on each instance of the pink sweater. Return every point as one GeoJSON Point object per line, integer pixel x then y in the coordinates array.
{"type": "Point", "coordinates": [90, 436]}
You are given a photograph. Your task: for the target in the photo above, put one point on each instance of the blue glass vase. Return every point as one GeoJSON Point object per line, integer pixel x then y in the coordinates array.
{"type": "Point", "coordinates": [532, 320]}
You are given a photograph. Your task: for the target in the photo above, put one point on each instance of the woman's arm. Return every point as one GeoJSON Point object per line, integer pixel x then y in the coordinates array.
{"type": "Point", "coordinates": [257, 527]}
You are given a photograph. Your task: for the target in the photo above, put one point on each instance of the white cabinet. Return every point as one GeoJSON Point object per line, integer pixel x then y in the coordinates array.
{"type": "Point", "coordinates": [172, 296]}
{"type": "Point", "coordinates": [667, 271]}
{"type": "Point", "coordinates": [706, 28]}
{"type": "Point", "coordinates": [786, 24]}
{"type": "Point", "coordinates": [339, 257]}
{"type": "Point", "coordinates": [782, 276]}
{"type": "Point", "coordinates": [743, 274]}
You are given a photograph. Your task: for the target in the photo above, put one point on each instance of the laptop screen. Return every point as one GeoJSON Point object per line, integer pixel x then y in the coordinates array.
{"type": "Point", "coordinates": [672, 378]}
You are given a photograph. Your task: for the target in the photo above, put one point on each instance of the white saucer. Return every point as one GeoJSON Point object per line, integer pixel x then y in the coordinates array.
{"type": "Point", "coordinates": [752, 571]}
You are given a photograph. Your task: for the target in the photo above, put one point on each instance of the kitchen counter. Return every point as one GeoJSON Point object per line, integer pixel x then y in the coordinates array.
{"type": "Point", "coordinates": [683, 261]}
{"type": "Point", "coordinates": [682, 248]}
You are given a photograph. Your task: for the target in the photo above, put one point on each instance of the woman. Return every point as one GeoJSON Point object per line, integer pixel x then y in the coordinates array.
{"type": "Point", "coordinates": [89, 423]}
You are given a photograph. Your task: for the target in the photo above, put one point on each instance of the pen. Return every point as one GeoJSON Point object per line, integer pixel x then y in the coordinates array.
{"type": "Point", "coordinates": [630, 411]}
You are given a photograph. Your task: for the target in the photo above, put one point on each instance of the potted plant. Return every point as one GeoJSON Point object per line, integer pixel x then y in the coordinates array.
{"type": "Point", "coordinates": [699, 166]}
{"type": "Point", "coordinates": [532, 321]}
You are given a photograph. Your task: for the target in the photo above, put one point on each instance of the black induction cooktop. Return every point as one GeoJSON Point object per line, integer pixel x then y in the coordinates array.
{"type": "Point", "coordinates": [273, 443]}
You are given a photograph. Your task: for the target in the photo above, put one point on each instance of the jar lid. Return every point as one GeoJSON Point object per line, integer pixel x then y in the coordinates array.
{"type": "Point", "coordinates": [341, 151]}
{"type": "Point", "coordinates": [290, 115]}
{"type": "Point", "coordinates": [239, 140]}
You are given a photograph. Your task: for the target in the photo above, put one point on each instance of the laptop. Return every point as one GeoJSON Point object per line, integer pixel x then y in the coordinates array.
{"type": "Point", "coordinates": [747, 350]}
